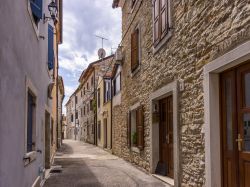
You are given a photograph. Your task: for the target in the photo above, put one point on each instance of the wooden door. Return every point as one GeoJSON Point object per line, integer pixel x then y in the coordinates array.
{"type": "Point", "coordinates": [166, 135]}
{"type": "Point", "coordinates": [47, 140]}
{"type": "Point", "coordinates": [243, 92]}
{"type": "Point", "coordinates": [235, 112]}
{"type": "Point", "coordinates": [105, 133]}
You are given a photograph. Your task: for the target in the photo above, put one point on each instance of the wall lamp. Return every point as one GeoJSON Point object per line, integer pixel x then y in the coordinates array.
{"type": "Point", "coordinates": [53, 9]}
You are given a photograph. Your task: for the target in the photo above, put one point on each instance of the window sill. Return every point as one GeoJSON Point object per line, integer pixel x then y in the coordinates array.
{"type": "Point", "coordinates": [117, 93]}
{"type": "Point", "coordinates": [29, 158]}
{"type": "Point", "coordinates": [135, 149]}
{"type": "Point", "coordinates": [160, 45]}
{"type": "Point", "coordinates": [133, 73]}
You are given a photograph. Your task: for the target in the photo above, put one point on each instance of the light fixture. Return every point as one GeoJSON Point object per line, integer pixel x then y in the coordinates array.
{"type": "Point", "coordinates": [53, 9]}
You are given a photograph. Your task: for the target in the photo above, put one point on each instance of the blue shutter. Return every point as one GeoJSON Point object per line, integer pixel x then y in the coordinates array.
{"type": "Point", "coordinates": [50, 47]}
{"type": "Point", "coordinates": [37, 8]}
{"type": "Point", "coordinates": [29, 123]}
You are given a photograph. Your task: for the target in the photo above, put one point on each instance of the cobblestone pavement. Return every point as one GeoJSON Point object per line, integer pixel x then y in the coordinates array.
{"type": "Point", "coordinates": [83, 164]}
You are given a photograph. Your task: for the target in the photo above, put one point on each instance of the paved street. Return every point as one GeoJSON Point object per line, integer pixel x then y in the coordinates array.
{"type": "Point", "coordinates": [86, 165]}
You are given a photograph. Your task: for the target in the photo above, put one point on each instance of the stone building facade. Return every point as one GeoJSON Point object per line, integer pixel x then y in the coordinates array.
{"type": "Point", "coordinates": [202, 40]}
{"type": "Point", "coordinates": [88, 87]}
{"type": "Point", "coordinates": [61, 95]}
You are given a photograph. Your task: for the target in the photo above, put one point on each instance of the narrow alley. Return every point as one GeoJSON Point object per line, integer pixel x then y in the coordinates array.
{"type": "Point", "coordinates": [80, 164]}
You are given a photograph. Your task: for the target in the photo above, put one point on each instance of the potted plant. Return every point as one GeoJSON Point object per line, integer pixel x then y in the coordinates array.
{"type": "Point", "coordinates": [134, 138]}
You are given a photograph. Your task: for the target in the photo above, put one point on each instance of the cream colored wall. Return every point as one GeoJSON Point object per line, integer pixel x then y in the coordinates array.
{"type": "Point", "coordinates": [100, 141]}
{"type": "Point", "coordinates": [54, 96]}
{"type": "Point", "coordinates": [104, 107]}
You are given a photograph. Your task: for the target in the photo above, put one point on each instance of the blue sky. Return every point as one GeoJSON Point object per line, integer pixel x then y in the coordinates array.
{"type": "Point", "coordinates": [82, 20]}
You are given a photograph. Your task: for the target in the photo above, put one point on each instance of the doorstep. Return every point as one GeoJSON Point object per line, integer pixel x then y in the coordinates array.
{"type": "Point", "coordinates": [165, 179]}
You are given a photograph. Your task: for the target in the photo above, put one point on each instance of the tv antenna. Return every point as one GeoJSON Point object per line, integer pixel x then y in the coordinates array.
{"type": "Point", "coordinates": [102, 38]}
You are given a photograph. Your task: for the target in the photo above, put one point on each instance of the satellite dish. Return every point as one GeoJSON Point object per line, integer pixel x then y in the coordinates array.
{"type": "Point", "coordinates": [101, 53]}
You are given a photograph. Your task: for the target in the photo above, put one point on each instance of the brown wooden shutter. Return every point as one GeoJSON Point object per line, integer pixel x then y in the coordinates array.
{"type": "Point", "coordinates": [135, 50]}
{"type": "Point", "coordinates": [140, 128]}
{"type": "Point", "coordinates": [156, 6]}
{"type": "Point", "coordinates": [163, 18]}
{"type": "Point", "coordinates": [129, 129]}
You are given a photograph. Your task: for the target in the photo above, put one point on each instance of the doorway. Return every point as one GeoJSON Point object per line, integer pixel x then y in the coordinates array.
{"type": "Point", "coordinates": [235, 126]}
{"type": "Point", "coordinates": [166, 164]}
{"type": "Point", "coordinates": [105, 132]}
{"type": "Point", "coordinates": [47, 140]}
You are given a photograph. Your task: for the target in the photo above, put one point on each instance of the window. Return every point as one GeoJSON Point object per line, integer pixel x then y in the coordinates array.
{"type": "Point", "coordinates": [135, 128]}
{"type": "Point", "coordinates": [117, 84]}
{"type": "Point", "coordinates": [87, 108]}
{"type": "Point", "coordinates": [88, 131]}
{"type": "Point", "coordinates": [76, 114]}
{"type": "Point", "coordinates": [72, 117]}
{"type": "Point", "coordinates": [84, 91]}
{"type": "Point", "coordinates": [81, 93]}
{"type": "Point", "coordinates": [91, 105]}
{"type": "Point", "coordinates": [50, 47]}
{"type": "Point", "coordinates": [81, 112]}
{"type": "Point", "coordinates": [99, 130]}
{"type": "Point", "coordinates": [84, 111]}
{"type": "Point", "coordinates": [31, 128]}
{"type": "Point", "coordinates": [135, 45]}
{"type": "Point", "coordinates": [107, 90]}
{"type": "Point", "coordinates": [98, 98]}
{"type": "Point", "coordinates": [92, 128]}
{"type": "Point", "coordinates": [92, 80]}
{"type": "Point", "coordinates": [161, 20]}
{"type": "Point", "coordinates": [87, 86]}
{"type": "Point", "coordinates": [76, 99]}
{"type": "Point", "coordinates": [37, 10]}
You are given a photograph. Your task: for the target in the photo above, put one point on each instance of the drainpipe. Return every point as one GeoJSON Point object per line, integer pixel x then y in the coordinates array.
{"type": "Point", "coordinates": [95, 115]}
{"type": "Point", "coordinates": [111, 124]}
{"type": "Point", "coordinates": [75, 117]}
{"type": "Point", "coordinates": [57, 143]}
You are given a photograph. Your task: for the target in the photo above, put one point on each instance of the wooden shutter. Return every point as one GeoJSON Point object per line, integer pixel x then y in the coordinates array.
{"type": "Point", "coordinates": [37, 8]}
{"type": "Point", "coordinates": [129, 129]}
{"type": "Point", "coordinates": [140, 128]}
{"type": "Point", "coordinates": [135, 50]}
{"type": "Point", "coordinates": [156, 6]}
{"type": "Point", "coordinates": [163, 18]}
{"type": "Point", "coordinates": [50, 47]}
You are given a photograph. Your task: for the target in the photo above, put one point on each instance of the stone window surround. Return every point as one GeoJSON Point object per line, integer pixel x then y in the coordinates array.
{"type": "Point", "coordinates": [169, 89]}
{"type": "Point", "coordinates": [116, 100]}
{"type": "Point", "coordinates": [132, 109]}
{"type": "Point", "coordinates": [212, 71]}
{"type": "Point", "coordinates": [29, 87]}
{"type": "Point", "coordinates": [170, 31]}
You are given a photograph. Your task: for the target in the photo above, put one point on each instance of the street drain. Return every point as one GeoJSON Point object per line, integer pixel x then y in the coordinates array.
{"type": "Point", "coordinates": [56, 171]}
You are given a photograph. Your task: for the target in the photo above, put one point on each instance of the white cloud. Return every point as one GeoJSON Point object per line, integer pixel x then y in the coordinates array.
{"type": "Point", "coordinates": [82, 20]}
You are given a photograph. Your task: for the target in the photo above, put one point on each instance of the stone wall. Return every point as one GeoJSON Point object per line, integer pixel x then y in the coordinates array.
{"type": "Point", "coordinates": [202, 30]}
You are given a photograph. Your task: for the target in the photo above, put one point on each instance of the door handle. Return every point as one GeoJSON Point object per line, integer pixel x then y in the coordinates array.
{"type": "Point", "coordinates": [239, 141]}
{"type": "Point", "coordinates": [168, 138]}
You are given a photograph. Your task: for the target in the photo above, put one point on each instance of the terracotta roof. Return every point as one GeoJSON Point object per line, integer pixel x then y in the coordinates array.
{"type": "Point", "coordinates": [86, 71]}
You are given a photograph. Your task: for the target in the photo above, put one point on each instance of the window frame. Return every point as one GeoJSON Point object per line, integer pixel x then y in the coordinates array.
{"type": "Point", "coordinates": [33, 122]}
{"type": "Point", "coordinates": [98, 97]}
{"type": "Point", "coordinates": [135, 125]}
{"type": "Point", "coordinates": [107, 92]}
{"type": "Point", "coordinates": [115, 92]}
{"type": "Point", "coordinates": [35, 23]}
{"type": "Point", "coordinates": [135, 69]}
{"type": "Point", "coordinates": [167, 34]}
{"type": "Point", "coordinates": [29, 156]}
